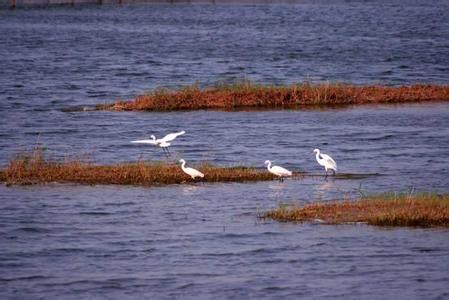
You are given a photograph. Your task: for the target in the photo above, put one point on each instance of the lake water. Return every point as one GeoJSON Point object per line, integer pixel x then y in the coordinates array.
{"type": "Point", "coordinates": [205, 240]}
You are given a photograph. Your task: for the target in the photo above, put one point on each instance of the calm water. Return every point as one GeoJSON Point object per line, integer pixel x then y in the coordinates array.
{"type": "Point", "coordinates": [200, 240]}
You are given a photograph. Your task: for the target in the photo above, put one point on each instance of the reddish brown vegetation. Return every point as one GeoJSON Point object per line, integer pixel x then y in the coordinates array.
{"type": "Point", "coordinates": [34, 168]}
{"type": "Point", "coordinates": [424, 210]}
{"type": "Point", "coordinates": [248, 95]}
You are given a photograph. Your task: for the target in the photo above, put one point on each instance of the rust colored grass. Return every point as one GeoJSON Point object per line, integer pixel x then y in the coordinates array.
{"type": "Point", "coordinates": [422, 210]}
{"type": "Point", "coordinates": [35, 168]}
{"type": "Point", "coordinates": [249, 95]}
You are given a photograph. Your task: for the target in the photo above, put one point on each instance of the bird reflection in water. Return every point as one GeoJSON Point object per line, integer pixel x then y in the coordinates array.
{"type": "Point", "coordinates": [324, 190]}
{"type": "Point", "coordinates": [277, 190]}
{"type": "Point", "coordinates": [190, 189]}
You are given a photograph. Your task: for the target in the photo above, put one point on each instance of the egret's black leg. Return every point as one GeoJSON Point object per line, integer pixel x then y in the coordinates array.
{"type": "Point", "coordinates": [165, 152]}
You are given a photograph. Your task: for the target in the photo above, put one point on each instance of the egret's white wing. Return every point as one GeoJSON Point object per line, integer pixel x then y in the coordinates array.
{"type": "Point", "coordinates": [193, 172]}
{"type": "Point", "coordinates": [280, 171]}
{"type": "Point", "coordinates": [151, 142]}
{"type": "Point", "coordinates": [329, 161]}
{"type": "Point", "coordinates": [171, 136]}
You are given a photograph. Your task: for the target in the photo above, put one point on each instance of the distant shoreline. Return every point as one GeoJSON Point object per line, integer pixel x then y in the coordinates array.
{"type": "Point", "coordinates": [13, 4]}
{"type": "Point", "coordinates": [247, 95]}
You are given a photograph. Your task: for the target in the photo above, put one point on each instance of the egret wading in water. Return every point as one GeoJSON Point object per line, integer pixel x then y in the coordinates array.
{"type": "Point", "coordinates": [326, 161]}
{"type": "Point", "coordinates": [163, 142]}
{"type": "Point", "coordinates": [278, 171]}
{"type": "Point", "coordinates": [190, 171]}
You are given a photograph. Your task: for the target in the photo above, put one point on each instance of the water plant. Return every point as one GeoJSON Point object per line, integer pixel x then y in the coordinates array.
{"type": "Point", "coordinates": [35, 167]}
{"type": "Point", "coordinates": [390, 209]}
{"type": "Point", "coordinates": [248, 95]}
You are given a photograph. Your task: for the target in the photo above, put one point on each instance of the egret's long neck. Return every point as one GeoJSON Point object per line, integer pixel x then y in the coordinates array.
{"type": "Point", "coordinates": [183, 166]}
{"type": "Point", "coordinates": [269, 166]}
{"type": "Point", "coordinates": [318, 155]}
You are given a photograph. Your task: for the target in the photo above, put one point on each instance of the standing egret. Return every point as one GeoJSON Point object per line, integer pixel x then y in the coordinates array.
{"type": "Point", "coordinates": [190, 171]}
{"type": "Point", "coordinates": [163, 142]}
{"type": "Point", "coordinates": [278, 171]}
{"type": "Point", "coordinates": [326, 161]}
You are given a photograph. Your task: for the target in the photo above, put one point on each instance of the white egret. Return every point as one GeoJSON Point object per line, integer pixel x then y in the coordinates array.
{"type": "Point", "coordinates": [326, 161]}
{"type": "Point", "coordinates": [163, 142]}
{"type": "Point", "coordinates": [190, 171]}
{"type": "Point", "coordinates": [278, 171]}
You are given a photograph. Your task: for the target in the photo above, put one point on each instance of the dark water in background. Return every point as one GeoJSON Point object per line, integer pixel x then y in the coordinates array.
{"type": "Point", "coordinates": [87, 55]}
{"type": "Point", "coordinates": [204, 241]}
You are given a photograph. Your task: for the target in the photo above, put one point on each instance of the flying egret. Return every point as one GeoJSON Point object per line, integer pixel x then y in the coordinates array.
{"type": "Point", "coordinates": [163, 142]}
{"type": "Point", "coordinates": [278, 171]}
{"type": "Point", "coordinates": [190, 171]}
{"type": "Point", "coordinates": [326, 161]}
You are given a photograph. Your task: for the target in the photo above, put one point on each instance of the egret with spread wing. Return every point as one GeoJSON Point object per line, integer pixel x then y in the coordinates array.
{"type": "Point", "coordinates": [163, 142]}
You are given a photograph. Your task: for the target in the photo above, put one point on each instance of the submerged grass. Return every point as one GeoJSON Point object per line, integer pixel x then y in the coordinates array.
{"type": "Point", "coordinates": [31, 168]}
{"type": "Point", "coordinates": [420, 210]}
{"type": "Point", "coordinates": [249, 95]}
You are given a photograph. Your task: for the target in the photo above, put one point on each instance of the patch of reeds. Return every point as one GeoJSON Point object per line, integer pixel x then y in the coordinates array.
{"type": "Point", "coordinates": [31, 168]}
{"type": "Point", "coordinates": [249, 95]}
{"type": "Point", "coordinates": [420, 210]}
